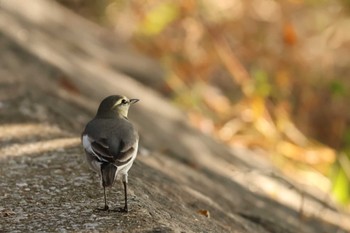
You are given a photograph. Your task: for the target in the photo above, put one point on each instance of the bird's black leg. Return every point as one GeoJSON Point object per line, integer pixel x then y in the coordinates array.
{"type": "Point", "coordinates": [104, 194]}
{"type": "Point", "coordinates": [125, 195]}
{"type": "Point", "coordinates": [125, 184]}
{"type": "Point", "coordinates": [106, 206]}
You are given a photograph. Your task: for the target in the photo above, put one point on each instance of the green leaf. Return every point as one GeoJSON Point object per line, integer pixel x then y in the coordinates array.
{"type": "Point", "coordinates": [262, 83]}
{"type": "Point", "coordinates": [346, 139]}
{"type": "Point", "coordinates": [337, 88]}
{"type": "Point", "coordinates": [340, 181]}
{"type": "Point", "coordinates": [158, 18]}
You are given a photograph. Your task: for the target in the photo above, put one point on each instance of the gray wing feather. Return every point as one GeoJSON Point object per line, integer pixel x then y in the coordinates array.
{"type": "Point", "coordinates": [116, 144]}
{"type": "Point", "coordinates": [122, 150]}
{"type": "Point", "coordinates": [102, 151]}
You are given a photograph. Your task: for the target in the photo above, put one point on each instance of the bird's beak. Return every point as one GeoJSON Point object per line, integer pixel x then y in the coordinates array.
{"type": "Point", "coordinates": [132, 101]}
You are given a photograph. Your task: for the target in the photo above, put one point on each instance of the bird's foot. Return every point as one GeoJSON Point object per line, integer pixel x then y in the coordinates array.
{"type": "Point", "coordinates": [125, 209]}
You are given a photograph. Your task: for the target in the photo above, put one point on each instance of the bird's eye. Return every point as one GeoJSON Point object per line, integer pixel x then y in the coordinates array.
{"type": "Point", "coordinates": [124, 101]}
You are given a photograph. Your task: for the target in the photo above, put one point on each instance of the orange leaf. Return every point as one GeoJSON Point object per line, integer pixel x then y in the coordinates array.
{"type": "Point", "coordinates": [289, 34]}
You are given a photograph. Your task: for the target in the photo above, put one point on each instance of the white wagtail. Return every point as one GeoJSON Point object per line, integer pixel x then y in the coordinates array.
{"type": "Point", "coordinates": [111, 142]}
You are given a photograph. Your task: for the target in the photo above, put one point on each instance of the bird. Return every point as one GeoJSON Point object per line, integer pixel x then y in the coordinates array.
{"type": "Point", "coordinates": [111, 142]}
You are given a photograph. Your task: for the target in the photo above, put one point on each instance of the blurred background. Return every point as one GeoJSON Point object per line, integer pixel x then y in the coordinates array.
{"type": "Point", "coordinates": [271, 76]}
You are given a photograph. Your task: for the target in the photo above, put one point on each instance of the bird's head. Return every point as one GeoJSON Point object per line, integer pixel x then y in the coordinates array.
{"type": "Point", "coordinates": [114, 106]}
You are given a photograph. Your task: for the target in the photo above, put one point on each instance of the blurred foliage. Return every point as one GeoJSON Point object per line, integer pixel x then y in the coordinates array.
{"type": "Point", "coordinates": [340, 177]}
{"type": "Point", "coordinates": [263, 74]}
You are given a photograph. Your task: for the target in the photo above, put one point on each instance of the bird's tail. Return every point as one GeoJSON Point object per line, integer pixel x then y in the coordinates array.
{"type": "Point", "coordinates": [108, 171]}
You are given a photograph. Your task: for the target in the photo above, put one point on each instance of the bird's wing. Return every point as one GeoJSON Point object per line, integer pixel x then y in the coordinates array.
{"type": "Point", "coordinates": [122, 150]}
{"type": "Point", "coordinates": [116, 145]}
{"type": "Point", "coordinates": [98, 148]}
